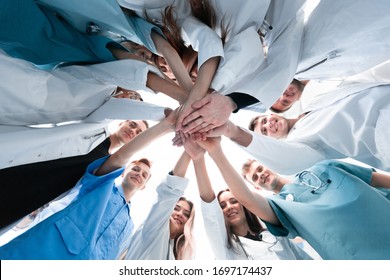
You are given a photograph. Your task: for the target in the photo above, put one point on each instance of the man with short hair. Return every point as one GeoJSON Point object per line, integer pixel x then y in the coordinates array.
{"type": "Point", "coordinates": [46, 180]}
{"type": "Point", "coordinates": [97, 223]}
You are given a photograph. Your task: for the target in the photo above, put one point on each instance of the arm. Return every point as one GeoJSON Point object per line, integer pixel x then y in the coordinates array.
{"type": "Point", "coordinates": [122, 156]}
{"type": "Point", "coordinates": [173, 60]}
{"type": "Point", "coordinates": [159, 84]}
{"type": "Point", "coordinates": [196, 153]}
{"type": "Point", "coordinates": [200, 89]}
{"type": "Point", "coordinates": [255, 203]}
{"type": "Point", "coordinates": [380, 180]}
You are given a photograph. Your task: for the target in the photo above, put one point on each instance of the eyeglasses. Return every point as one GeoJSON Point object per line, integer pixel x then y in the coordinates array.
{"type": "Point", "coordinates": [311, 180]}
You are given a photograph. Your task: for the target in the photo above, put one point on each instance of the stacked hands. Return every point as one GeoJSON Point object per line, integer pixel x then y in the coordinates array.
{"type": "Point", "coordinates": [203, 118]}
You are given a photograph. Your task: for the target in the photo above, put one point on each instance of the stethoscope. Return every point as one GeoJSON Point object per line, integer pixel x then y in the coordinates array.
{"type": "Point", "coordinates": [311, 180]}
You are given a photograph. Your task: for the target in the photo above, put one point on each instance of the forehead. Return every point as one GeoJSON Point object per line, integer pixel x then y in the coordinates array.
{"type": "Point", "coordinates": [184, 205]}
{"type": "Point", "coordinates": [141, 125]}
{"type": "Point", "coordinates": [143, 166]}
{"type": "Point", "coordinates": [253, 167]}
{"type": "Point", "coordinates": [293, 86]}
{"type": "Point", "coordinates": [226, 195]}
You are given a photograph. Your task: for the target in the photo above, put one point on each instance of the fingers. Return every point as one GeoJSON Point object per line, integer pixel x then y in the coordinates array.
{"type": "Point", "coordinates": [191, 117]}
{"type": "Point", "coordinates": [206, 128]}
{"type": "Point", "coordinates": [200, 103]}
{"type": "Point", "coordinates": [194, 125]}
{"type": "Point", "coordinates": [177, 140]}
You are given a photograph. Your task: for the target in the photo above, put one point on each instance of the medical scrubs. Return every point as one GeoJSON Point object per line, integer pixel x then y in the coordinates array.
{"type": "Point", "coordinates": [44, 36]}
{"type": "Point", "coordinates": [346, 218]}
{"type": "Point", "coordinates": [92, 227]}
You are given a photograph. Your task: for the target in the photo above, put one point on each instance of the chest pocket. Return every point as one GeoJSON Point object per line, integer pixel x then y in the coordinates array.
{"type": "Point", "coordinates": [72, 236]}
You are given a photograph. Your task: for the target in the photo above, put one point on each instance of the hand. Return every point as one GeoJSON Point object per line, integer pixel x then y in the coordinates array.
{"type": "Point", "coordinates": [210, 112]}
{"type": "Point", "coordinates": [184, 110]}
{"type": "Point", "coordinates": [191, 147]}
{"type": "Point", "coordinates": [170, 117]}
{"type": "Point", "coordinates": [211, 144]}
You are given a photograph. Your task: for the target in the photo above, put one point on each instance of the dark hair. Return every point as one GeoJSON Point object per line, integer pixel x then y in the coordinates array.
{"type": "Point", "coordinates": [146, 123]}
{"type": "Point", "coordinates": [253, 122]}
{"type": "Point", "coordinates": [252, 220]}
{"type": "Point", "coordinates": [300, 85]}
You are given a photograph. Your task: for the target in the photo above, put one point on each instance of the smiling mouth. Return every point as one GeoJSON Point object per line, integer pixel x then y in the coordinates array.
{"type": "Point", "coordinates": [232, 214]}
{"type": "Point", "coordinates": [136, 179]}
{"type": "Point", "coordinates": [177, 221]}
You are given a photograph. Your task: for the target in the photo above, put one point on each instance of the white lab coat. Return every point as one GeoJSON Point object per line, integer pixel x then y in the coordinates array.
{"type": "Point", "coordinates": [239, 15]}
{"type": "Point", "coordinates": [353, 35]}
{"type": "Point", "coordinates": [195, 33]}
{"type": "Point", "coordinates": [277, 248]}
{"type": "Point", "coordinates": [32, 96]}
{"type": "Point", "coordinates": [268, 81]}
{"type": "Point", "coordinates": [348, 122]}
{"type": "Point", "coordinates": [151, 240]}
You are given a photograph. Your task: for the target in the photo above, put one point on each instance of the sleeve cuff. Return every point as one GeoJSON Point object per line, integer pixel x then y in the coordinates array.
{"type": "Point", "coordinates": [242, 100]}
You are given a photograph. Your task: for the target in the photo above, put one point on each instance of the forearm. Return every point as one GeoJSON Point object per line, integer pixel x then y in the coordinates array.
{"type": "Point", "coordinates": [256, 204]}
{"type": "Point", "coordinates": [122, 156]}
{"type": "Point", "coordinates": [174, 61]}
{"type": "Point", "coordinates": [182, 164]}
{"type": "Point", "coordinates": [238, 135]}
{"type": "Point", "coordinates": [206, 191]}
{"type": "Point", "coordinates": [171, 89]}
{"type": "Point", "coordinates": [380, 180]}
{"type": "Point", "coordinates": [205, 76]}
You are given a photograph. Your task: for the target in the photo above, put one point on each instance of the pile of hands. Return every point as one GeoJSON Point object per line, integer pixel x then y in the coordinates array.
{"type": "Point", "coordinates": [202, 119]}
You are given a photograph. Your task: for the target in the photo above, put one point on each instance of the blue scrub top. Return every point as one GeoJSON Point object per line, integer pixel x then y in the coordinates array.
{"type": "Point", "coordinates": [91, 227]}
{"type": "Point", "coordinates": [344, 219]}
{"type": "Point", "coordinates": [47, 36]}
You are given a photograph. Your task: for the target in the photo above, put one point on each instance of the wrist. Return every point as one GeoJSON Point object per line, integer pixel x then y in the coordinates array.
{"type": "Point", "coordinates": [232, 105]}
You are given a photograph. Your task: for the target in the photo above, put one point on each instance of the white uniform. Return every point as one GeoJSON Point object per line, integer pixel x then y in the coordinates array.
{"type": "Point", "coordinates": [345, 37]}
{"type": "Point", "coordinates": [195, 33]}
{"type": "Point", "coordinates": [32, 96]}
{"type": "Point", "coordinates": [272, 248]}
{"type": "Point", "coordinates": [268, 81]}
{"type": "Point", "coordinates": [151, 240]}
{"type": "Point", "coordinates": [351, 122]}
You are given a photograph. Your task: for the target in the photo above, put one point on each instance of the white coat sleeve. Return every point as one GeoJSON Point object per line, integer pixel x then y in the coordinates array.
{"type": "Point", "coordinates": [283, 156]}
{"type": "Point", "coordinates": [151, 239]}
{"type": "Point", "coordinates": [270, 80]}
{"type": "Point", "coordinates": [202, 39]}
{"type": "Point", "coordinates": [243, 53]}
{"type": "Point", "coordinates": [215, 229]}
{"type": "Point", "coordinates": [127, 73]}
{"type": "Point", "coordinates": [126, 109]}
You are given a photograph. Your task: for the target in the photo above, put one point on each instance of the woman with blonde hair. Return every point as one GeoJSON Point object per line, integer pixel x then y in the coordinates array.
{"type": "Point", "coordinates": [167, 234]}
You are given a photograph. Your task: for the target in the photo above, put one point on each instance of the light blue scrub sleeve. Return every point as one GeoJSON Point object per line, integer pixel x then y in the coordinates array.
{"type": "Point", "coordinates": [91, 181]}
{"type": "Point", "coordinates": [286, 228]}
{"type": "Point", "coordinates": [143, 29]}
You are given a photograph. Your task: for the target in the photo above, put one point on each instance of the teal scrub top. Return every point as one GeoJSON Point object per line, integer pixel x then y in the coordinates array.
{"type": "Point", "coordinates": [346, 218]}
{"type": "Point", "coordinates": [47, 37]}
{"type": "Point", "coordinates": [93, 227]}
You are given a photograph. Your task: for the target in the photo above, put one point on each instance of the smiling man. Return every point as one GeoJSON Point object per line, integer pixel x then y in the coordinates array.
{"type": "Point", "coordinates": [97, 222]}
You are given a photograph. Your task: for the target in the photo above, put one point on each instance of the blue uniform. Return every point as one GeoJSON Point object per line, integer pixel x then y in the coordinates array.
{"type": "Point", "coordinates": [48, 35]}
{"type": "Point", "coordinates": [345, 218]}
{"type": "Point", "coordinates": [91, 227]}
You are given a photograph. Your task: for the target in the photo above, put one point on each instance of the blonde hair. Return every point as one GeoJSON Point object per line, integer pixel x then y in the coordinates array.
{"type": "Point", "coordinates": [184, 248]}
